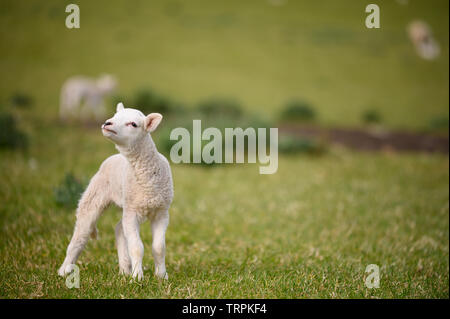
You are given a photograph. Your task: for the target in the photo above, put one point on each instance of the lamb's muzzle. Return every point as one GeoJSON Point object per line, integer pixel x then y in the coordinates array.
{"type": "Point", "coordinates": [104, 127]}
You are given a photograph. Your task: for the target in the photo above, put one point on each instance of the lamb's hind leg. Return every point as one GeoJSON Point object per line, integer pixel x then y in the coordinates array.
{"type": "Point", "coordinates": [92, 203]}
{"type": "Point", "coordinates": [122, 250]}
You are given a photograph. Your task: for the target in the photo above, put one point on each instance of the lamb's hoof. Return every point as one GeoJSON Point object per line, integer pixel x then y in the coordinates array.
{"type": "Point", "coordinates": [138, 275]}
{"type": "Point", "coordinates": [61, 272]}
{"type": "Point", "coordinates": [125, 271]}
{"type": "Point", "coordinates": [64, 270]}
{"type": "Point", "coordinates": [163, 275]}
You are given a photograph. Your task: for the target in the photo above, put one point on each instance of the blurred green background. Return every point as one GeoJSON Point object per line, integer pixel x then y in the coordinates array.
{"type": "Point", "coordinates": [260, 54]}
{"type": "Point", "coordinates": [309, 230]}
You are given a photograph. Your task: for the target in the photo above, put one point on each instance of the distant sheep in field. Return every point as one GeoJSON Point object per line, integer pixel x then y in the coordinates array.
{"type": "Point", "coordinates": [422, 38]}
{"type": "Point", "coordinates": [139, 181]}
{"type": "Point", "coordinates": [83, 97]}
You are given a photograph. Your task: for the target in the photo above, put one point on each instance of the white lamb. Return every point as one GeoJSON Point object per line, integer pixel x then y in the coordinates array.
{"type": "Point", "coordinates": [138, 180]}
{"type": "Point", "coordinates": [83, 97]}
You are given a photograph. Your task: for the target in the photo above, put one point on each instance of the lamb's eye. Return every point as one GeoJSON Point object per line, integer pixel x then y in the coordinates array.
{"type": "Point", "coordinates": [133, 124]}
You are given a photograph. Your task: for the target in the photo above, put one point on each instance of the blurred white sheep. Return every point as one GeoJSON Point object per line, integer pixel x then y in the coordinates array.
{"type": "Point", "coordinates": [83, 97]}
{"type": "Point", "coordinates": [422, 38]}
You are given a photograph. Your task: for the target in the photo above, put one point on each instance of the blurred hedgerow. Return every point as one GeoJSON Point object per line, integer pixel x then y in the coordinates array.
{"type": "Point", "coordinates": [298, 111]}
{"type": "Point", "coordinates": [11, 137]}
{"type": "Point", "coordinates": [293, 145]}
{"type": "Point", "coordinates": [69, 191]}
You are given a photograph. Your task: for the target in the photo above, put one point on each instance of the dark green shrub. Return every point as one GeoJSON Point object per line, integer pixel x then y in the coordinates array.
{"type": "Point", "coordinates": [298, 111]}
{"type": "Point", "coordinates": [149, 101]}
{"type": "Point", "coordinates": [220, 108]}
{"type": "Point", "coordinates": [21, 100]}
{"type": "Point", "coordinates": [440, 123]}
{"type": "Point", "coordinates": [10, 135]}
{"type": "Point", "coordinates": [371, 117]}
{"type": "Point", "coordinates": [68, 191]}
{"type": "Point", "coordinates": [292, 145]}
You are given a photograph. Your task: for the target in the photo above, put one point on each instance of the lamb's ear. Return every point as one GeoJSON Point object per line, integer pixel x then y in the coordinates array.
{"type": "Point", "coordinates": [119, 107]}
{"type": "Point", "coordinates": [152, 121]}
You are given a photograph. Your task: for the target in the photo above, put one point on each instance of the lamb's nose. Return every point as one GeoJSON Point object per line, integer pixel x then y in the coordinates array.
{"type": "Point", "coordinates": [107, 123]}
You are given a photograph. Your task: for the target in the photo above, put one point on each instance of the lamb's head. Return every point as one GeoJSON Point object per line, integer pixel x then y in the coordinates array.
{"type": "Point", "coordinates": [128, 126]}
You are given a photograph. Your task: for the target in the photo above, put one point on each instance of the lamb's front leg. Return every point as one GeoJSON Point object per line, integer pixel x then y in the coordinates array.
{"type": "Point", "coordinates": [130, 223]}
{"type": "Point", "coordinates": [159, 226]}
{"type": "Point", "coordinates": [122, 250]}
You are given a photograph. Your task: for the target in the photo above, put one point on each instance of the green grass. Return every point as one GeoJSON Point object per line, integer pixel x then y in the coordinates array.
{"type": "Point", "coordinates": [307, 231]}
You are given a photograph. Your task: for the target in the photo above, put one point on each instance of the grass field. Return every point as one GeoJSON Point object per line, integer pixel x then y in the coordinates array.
{"type": "Point", "coordinates": [308, 231]}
